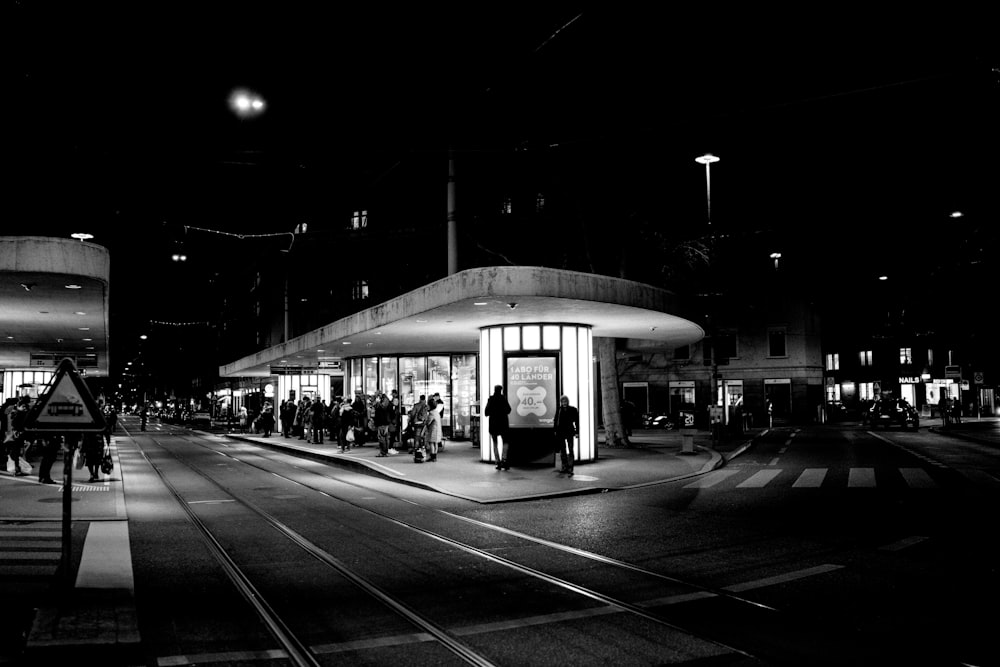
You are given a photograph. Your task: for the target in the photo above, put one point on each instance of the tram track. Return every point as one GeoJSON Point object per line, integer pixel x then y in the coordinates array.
{"type": "Point", "coordinates": [649, 611]}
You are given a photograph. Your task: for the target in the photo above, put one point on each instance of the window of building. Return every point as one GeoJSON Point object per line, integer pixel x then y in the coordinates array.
{"type": "Point", "coordinates": [360, 290]}
{"type": "Point", "coordinates": [359, 219]}
{"type": "Point", "coordinates": [539, 202]}
{"type": "Point", "coordinates": [865, 356]}
{"type": "Point", "coordinates": [832, 393]}
{"type": "Point", "coordinates": [905, 355]}
{"type": "Point", "coordinates": [725, 346]}
{"type": "Point", "coordinates": [302, 228]}
{"type": "Point", "coordinates": [833, 362]}
{"type": "Point", "coordinates": [776, 343]}
{"type": "Point", "coordinates": [682, 353]}
{"type": "Point", "coordinates": [506, 208]}
{"type": "Point", "coordinates": [930, 357]}
{"type": "Point", "coordinates": [866, 390]}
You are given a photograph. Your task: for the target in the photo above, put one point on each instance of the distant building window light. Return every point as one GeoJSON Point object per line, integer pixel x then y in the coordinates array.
{"type": "Point", "coordinates": [866, 357]}
{"type": "Point", "coordinates": [359, 219]}
{"type": "Point", "coordinates": [866, 390]}
{"type": "Point", "coordinates": [506, 208]}
{"type": "Point", "coordinates": [539, 202]}
{"type": "Point", "coordinates": [302, 228]}
{"type": "Point", "coordinates": [833, 362]}
{"type": "Point", "coordinates": [905, 355]}
{"type": "Point", "coordinates": [360, 290]}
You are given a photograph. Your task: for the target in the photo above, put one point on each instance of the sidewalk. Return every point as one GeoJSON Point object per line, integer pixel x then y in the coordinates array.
{"type": "Point", "coordinates": [656, 457]}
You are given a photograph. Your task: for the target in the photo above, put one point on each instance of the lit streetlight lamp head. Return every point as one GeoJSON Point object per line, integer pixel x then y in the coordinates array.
{"type": "Point", "coordinates": [706, 159]}
{"type": "Point", "coordinates": [83, 236]}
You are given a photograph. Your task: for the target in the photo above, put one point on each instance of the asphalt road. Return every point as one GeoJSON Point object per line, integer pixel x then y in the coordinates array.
{"type": "Point", "coordinates": [824, 545]}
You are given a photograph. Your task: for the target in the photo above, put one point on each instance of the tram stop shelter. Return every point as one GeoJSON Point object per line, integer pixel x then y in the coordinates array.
{"type": "Point", "coordinates": [529, 329]}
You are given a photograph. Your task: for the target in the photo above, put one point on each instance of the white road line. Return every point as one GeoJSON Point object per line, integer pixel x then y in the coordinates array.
{"type": "Point", "coordinates": [917, 478]}
{"type": "Point", "coordinates": [774, 461]}
{"type": "Point", "coordinates": [811, 478]}
{"type": "Point", "coordinates": [782, 578]}
{"type": "Point", "coordinates": [861, 478]}
{"type": "Point", "coordinates": [30, 555]}
{"type": "Point", "coordinates": [904, 543]}
{"type": "Point", "coordinates": [759, 479]}
{"type": "Point", "coordinates": [106, 561]}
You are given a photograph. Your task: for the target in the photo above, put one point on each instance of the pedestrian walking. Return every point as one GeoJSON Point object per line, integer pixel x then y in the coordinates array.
{"type": "Point", "coordinates": [382, 411]}
{"type": "Point", "coordinates": [51, 446]}
{"type": "Point", "coordinates": [92, 452]}
{"type": "Point", "coordinates": [347, 420]}
{"type": "Point", "coordinates": [497, 410]}
{"type": "Point", "coordinates": [567, 427]}
{"type": "Point", "coordinates": [17, 414]}
{"type": "Point", "coordinates": [267, 421]}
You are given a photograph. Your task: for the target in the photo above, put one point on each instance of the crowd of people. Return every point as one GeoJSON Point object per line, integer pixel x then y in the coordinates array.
{"type": "Point", "coordinates": [379, 418]}
{"type": "Point", "coordinates": [21, 447]}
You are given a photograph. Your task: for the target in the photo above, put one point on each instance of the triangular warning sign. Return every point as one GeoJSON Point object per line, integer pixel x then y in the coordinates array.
{"type": "Point", "coordinates": [66, 405]}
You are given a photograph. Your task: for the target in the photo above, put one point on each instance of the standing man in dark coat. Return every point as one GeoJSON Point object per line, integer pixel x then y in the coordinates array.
{"type": "Point", "coordinates": [497, 409]}
{"type": "Point", "coordinates": [567, 426]}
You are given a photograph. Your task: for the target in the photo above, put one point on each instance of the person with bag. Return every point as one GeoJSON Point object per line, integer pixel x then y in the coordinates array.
{"type": "Point", "coordinates": [346, 426]}
{"type": "Point", "coordinates": [497, 410]}
{"type": "Point", "coordinates": [92, 452]}
{"type": "Point", "coordinates": [567, 426]}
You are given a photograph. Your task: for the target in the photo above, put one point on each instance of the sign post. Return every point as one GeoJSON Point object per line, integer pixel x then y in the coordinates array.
{"type": "Point", "coordinates": [66, 408]}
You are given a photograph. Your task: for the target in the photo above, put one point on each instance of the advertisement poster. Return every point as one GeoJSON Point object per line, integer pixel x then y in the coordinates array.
{"type": "Point", "coordinates": [531, 390]}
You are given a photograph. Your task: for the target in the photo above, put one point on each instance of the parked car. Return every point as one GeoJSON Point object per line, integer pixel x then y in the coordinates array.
{"type": "Point", "coordinates": [657, 420]}
{"type": "Point", "coordinates": [888, 412]}
{"type": "Point", "coordinates": [203, 419]}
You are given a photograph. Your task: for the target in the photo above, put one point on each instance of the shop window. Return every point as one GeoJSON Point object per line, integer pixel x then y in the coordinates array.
{"type": "Point", "coordinates": [832, 393]}
{"type": "Point", "coordinates": [865, 356]}
{"type": "Point", "coordinates": [776, 343]}
{"type": "Point", "coordinates": [866, 390]}
{"type": "Point", "coordinates": [833, 362]}
{"type": "Point", "coordinates": [905, 355]}
{"type": "Point", "coordinates": [682, 353]}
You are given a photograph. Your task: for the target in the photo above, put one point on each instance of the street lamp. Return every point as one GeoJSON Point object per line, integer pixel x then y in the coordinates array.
{"type": "Point", "coordinates": [775, 256]}
{"type": "Point", "coordinates": [707, 159]}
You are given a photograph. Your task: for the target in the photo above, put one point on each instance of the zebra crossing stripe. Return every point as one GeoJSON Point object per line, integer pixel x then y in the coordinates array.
{"type": "Point", "coordinates": [861, 478]}
{"type": "Point", "coordinates": [711, 479]}
{"type": "Point", "coordinates": [917, 478]}
{"type": "Point", "coordinates": [811, 478]}
{"type": "Point", "coordinates": [759, 479]}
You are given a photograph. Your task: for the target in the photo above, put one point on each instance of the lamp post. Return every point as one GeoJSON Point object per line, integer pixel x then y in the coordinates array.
{"type": "Point", "coordinates": [707, 159]}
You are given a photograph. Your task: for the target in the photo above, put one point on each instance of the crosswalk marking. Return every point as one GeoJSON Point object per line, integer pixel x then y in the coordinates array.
{"type": "Point", "coordinates": [711, 479]}
{"type": "Point", "coordinates": [758, 479]}
{"type": "Point", "coordinates": [810, 478]}
{"type": "Point", "coordinates": [861, 478]}
{"type": "Point", "coordinates": [29, 553]}
{"type": "Point", "coordinates": [917, 478]}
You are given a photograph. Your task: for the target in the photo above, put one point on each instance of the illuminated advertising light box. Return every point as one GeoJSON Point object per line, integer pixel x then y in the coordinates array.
{"type": "Point", "coordinates": [531, 390]}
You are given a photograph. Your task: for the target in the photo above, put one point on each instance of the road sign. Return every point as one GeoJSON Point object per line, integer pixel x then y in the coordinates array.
{"type": "Point", "coordinates": [66, 406]}
{"type": "Point", "coordinates": [977, 377]}
{"type": "Point", "coordinates": [953, 371]}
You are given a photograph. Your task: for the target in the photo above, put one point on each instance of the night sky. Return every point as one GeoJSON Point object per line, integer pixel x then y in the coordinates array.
{"type": "Point", "coordinates": [845, 137]}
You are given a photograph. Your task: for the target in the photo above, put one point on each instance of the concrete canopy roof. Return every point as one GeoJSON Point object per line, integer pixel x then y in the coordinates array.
{"type": "Point", "coordinates": [445, 317]}
{"type": "Point", "coordinates": [40, 315]}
